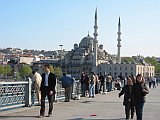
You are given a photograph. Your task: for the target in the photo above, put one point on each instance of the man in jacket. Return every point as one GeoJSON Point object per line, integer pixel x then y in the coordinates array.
{"type": "Point", "coordinates": [67, 83]}
{"type": "Point", "coordinates": [47, 89]}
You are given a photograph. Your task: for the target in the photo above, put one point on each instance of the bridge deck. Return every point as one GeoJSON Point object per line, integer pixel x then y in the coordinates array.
{"type": "Point", "coordinates": [102, 107]}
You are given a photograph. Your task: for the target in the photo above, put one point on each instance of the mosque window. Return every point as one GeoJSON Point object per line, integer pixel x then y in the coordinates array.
{"type": "Point", "coordinates": [120, 68]}
{"type": "Point", "coordinates": [115, 73]}
{"type": "Point", "coordinates": [126, 74]}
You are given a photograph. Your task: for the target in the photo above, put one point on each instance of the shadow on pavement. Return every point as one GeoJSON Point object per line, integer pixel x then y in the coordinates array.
{"type": "Point", "coordinates": [97, 119]}
{"type": "Point", "coordinates": [16, 116]}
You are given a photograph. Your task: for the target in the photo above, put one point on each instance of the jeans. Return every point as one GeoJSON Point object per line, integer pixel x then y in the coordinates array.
{"type": "Point", "coordinates": [109, 86]}
{"type": "Point", "coordinates": [92, 90]}
{"type": "Point", "coordinates": [83, 89]}
{"type": "Point", "coordinates": [139, 109]}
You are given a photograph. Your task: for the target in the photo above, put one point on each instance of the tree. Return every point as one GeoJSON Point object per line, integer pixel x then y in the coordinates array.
{"type": "Point", "coordinates": [1, 70]}
{"type": "Point", "coordinates": [7, 69]}
{"type": "Point", "coordinates": [127, 60]}
{"type": "Point", "coordinates": [51, 68]}
{"type": "Point", "coordinates": [154, 62]}
{"type": "Point", "coordinates": [151, 60]}
{"type": "Point", "coordinates": [58, 71]}
{"type": "Point", "coordinates": [25, 71]}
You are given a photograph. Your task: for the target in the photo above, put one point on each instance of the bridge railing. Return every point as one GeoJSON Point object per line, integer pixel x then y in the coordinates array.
{"type": "Point", "coordinates": [15, 94]}
{"type": "Point", "coordinates": [19, 94]}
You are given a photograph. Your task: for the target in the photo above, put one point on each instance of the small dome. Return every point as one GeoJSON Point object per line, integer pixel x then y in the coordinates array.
{"type": "Point", "coordinates": [75, 44]}
{"type": "Point", "coordinates": [41, 55]}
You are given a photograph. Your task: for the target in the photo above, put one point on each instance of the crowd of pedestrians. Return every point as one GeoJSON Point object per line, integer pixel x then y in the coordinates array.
{"type": "Point", "coordinates": [133, 88]}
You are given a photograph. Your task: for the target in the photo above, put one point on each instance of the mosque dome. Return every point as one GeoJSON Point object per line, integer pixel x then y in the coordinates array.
{"type": "Point", "coordinates": [86, 41]}
{"type": "Point", "coordinates": [75, 46]}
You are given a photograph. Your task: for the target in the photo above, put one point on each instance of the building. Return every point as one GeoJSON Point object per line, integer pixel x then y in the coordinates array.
{"type": "Point", "coordinates": [90, 56]}
{"type": "Point", "coordinates": [126, 70]}
{"type": "Point", "coordinates": [86, 56]}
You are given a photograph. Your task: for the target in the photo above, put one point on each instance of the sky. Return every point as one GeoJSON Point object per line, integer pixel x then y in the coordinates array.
{"type": "Point", "coordinates": [45, 24]}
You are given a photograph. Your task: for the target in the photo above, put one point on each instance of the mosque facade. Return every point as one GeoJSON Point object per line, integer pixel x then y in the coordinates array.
{"type": "Point", "coordinates": [89, 56]}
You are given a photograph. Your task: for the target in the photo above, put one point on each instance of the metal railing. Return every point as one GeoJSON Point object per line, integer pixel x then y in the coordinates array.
{"type": "Point", "coordinates": [14, 94]}
{"type": "Point", "coordinates": [19, 94]}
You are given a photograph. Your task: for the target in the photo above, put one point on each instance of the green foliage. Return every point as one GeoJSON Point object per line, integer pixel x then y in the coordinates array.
{"type": "Point", "coordinates": [127, 60]}
{"type": "Point", "coordinates": [153, 61]}
{"type": "Point", "coordinates": [57, 71]}
{"type": "Point", "coordinates": [7, 69]}
{"type": "Point", "coordinates": [1, 69]}
{"type": "Point", "coordinates": [17, 77]}
{"type": "Point", "coordinates": [25, 71]}
{"type": "Point", "coordinates": [51, 68]}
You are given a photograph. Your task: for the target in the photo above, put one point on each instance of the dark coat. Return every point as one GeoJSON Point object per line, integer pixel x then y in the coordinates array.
{"type": "Point", "coordinates": [127, 94]}
{"type": "Point", "coordinates": [138, 94]}
{"type": "Point", "coordinates": [51, 82]}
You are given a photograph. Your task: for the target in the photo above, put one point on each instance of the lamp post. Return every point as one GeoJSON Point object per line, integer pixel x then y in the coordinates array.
{"type": "Point", "coordinates": [61, 55]}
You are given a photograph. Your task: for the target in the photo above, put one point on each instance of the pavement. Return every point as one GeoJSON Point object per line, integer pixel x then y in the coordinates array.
{"type": "Point", "coordinates": [102, 107]}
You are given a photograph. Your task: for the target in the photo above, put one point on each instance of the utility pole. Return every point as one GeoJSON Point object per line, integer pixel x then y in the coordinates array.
{"type": "Point", "coordinates": [61, 56]}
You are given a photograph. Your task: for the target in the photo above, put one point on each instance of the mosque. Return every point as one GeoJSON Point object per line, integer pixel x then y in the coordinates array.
{"type": "Point", "coordinates": [89, 56]}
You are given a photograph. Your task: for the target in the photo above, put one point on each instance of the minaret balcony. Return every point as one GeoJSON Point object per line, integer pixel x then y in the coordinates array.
{"type": "Point", "coordinates": [119, 45]}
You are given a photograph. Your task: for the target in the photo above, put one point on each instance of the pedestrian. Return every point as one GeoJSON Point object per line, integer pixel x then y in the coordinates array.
{"type": "Point", "coordinates": [128, 101]}
{"type": "Point", "coordinates": [139, 94]}
{"type": "Point", "coordinates": [150, 81]}
{"type": "Point", "coordinates": [37, 82]}
{"type": "Point", "coordinates": [47, 89]}
{"type": "Point", "coordinates": [109, 83]}
{"type": "Point", "coordinates": [67, 83]}
{"type": "Point", "coordinates": [154, 82]}
{"type": "Point", "coordinates": [97, 84]}
{"type": "Point", "coordinates": [92, 82]}
{"type": "Point", "coordinates": [102, 83]}
{"type": "Point", "coordinates": [84, 80]}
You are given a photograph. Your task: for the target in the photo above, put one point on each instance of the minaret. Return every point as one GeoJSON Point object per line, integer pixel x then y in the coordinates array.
{"type": "Point", "coordinates": [95, 43]}
{"type": "Point", "coordinates": [119, 40]}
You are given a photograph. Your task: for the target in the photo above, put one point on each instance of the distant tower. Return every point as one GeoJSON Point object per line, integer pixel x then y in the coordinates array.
{"type": "Point", "coordinates": [119, 42]}
{"type": "Point", "coordinates": [95, 43]}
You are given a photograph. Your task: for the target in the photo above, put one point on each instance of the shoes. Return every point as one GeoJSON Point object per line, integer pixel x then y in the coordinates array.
{"type": "Point", "coordinates": [49, 115]}
{"type": "Point", "coordinates": [40, 116]}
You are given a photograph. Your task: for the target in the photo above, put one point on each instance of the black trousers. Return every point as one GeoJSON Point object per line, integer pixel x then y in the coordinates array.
{"type": "Point", "coordinates": [45, 93]}
{"type": "Point", "coordinates": [129, 108]}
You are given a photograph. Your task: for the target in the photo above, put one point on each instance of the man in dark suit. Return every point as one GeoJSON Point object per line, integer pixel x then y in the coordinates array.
{"type": "Point", "coordinates": [47, 88]}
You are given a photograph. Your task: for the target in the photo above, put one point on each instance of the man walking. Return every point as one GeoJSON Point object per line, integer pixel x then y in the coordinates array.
{"type": "Point", "coordinates": [37, 82]}
{"type": "Point", "coordinates": [47, 89]}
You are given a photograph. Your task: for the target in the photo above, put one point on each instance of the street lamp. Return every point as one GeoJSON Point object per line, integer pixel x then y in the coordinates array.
{"type": "Point", "coordinates": [61, 55]}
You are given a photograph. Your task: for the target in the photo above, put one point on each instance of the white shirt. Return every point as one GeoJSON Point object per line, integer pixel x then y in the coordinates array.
{"type": "Point", "coordinates": [46, 79]}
